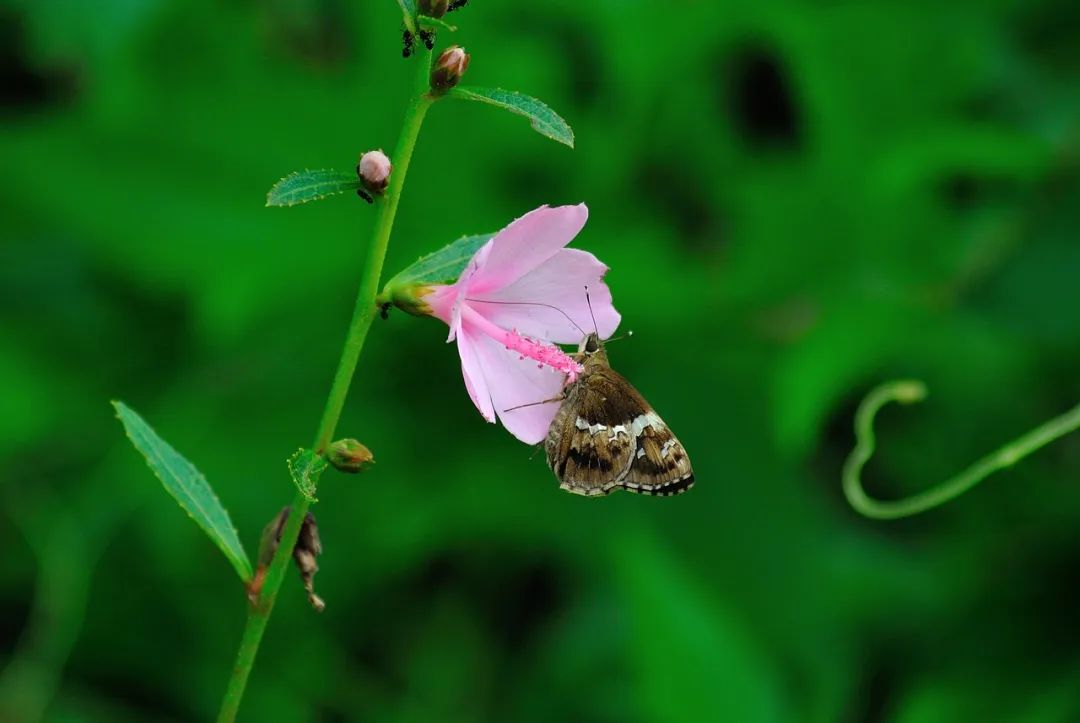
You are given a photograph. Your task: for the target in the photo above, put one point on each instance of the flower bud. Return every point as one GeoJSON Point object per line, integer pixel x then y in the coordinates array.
{"type": "Point", "coordinates": [449, 68]}
{"type": "Point", "coordinates": [433, 8]}
{"type": "Point", "coordinates": [348, 455]}
{"type": "Point", "coordinates": [374, 171]}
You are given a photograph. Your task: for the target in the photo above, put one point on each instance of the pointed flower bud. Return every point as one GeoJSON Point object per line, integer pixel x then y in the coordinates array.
{"type": "Point", "coordinates": [448, 69]}
{"type": "Point", "coordinates": [433, 8]}
{"type": "Point", "coordinates": [348, 455]}
{"type": "Point", "coordinates": [374, 171]}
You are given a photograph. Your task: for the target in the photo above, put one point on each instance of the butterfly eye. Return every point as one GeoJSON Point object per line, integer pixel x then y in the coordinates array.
{"type": "Point", "coordinates": [592, 345]}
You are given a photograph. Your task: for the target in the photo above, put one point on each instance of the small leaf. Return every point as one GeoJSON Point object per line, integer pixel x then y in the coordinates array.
{"type": "Point", "coordinates": [306, 467]}
{"type": "Point", "coordinates": [304, 186]}
{"type": "Point", "coordinates": [544, 120]}
{"type": "Point", "coordinates": [187, 486]}
{"type": "Point", "coordinates": [439, 267]}
{"type": "Point", "coordinates": [436, 22]}
{"type": "Point", "coordinates": [408, 12]}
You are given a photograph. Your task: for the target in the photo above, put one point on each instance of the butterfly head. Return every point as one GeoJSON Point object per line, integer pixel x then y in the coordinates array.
{"type": "Point", "coordinates": [591, 351]}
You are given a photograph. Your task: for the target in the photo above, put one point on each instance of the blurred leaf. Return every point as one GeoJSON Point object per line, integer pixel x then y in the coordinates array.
{"type": "Point", "coordinates": [306, 467]}
{"type": "Point", "coordinates": [188, 486]}
{"type": "Point", "coordinates": [544, 120]}
{"type": "Point", "coordinates": [304, 186]}
{"type": "Point", "coordinates": [696, 659]}
{"type": "Point", "coordinates": [440, 267]}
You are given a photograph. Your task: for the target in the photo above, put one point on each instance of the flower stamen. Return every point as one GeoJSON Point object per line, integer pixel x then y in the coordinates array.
{"type": "Point", "coordinates": [544, 354]}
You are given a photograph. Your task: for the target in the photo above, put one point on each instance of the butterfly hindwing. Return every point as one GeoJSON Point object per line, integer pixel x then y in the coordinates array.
{"type": "Point", "coordinates": [660, 465]}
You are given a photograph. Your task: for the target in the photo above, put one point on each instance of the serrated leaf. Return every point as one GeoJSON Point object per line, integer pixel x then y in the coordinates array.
{"type": "Point", "coordinates": [439, 267]}
{"type": "Point", "coordinates": [306, 467]}
{"type": "Point", "coordinates": [304, 186]}
{"type": "Point", "coordinates": [544, 120]}
{"type": "Point", "coordinates": [187, 486]}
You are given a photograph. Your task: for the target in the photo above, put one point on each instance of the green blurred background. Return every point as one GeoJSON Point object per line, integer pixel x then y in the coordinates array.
{"type": "Point", "coordinates": [797, 200]}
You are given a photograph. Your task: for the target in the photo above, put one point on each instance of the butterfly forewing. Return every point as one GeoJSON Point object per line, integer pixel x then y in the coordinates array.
{"type": "Point", "coordinates": [605, 436]}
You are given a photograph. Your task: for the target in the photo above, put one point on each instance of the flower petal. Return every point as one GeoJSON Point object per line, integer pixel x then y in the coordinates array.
{"type": "Point", "coordinates": [559, 282]}
{"type": "Point", "coordinates": [473, 371]}
{"type": "Point", "coordinates": [526, 244]}
{"type": "Point", "coordinates": [511, 382]}
{"type": "Point", "coordinates": [442, 301]}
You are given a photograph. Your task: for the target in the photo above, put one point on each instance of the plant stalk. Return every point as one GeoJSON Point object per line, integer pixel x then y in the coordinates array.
{"type": "Point", "coordinates": [363, 314]}
{"type": "Point", "coordinates": [909, 391]}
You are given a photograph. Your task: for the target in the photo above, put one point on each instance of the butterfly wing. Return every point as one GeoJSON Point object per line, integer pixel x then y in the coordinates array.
{"type": "Point", "coordinates": [606, 437]}
{"type": "Point", "coordinates": [660, 465]}
{"type": "Point", "coordinates": [588, 448]}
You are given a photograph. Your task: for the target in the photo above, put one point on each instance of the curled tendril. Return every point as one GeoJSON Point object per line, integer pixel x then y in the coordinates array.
{"type": "Point", "coordinates": [908, 391]}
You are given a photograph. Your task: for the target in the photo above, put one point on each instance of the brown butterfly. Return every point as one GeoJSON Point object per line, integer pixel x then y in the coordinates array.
{"type": "Point", "coordinates": [605, 436]}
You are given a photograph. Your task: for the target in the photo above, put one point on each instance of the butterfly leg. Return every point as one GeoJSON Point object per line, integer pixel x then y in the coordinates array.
{"type": "Point", "coordinates": [559, 398]}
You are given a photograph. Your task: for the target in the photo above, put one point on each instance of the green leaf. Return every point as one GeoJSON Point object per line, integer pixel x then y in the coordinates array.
{"type": "Point", "coordinates": [544, 120]}
{"type": "Point", "coordinates": [306, 467]}
{"type": "Point", "coordinates": [436, 22]}
{"type": "Point", "coordinates": [724, 672]}
{"type": "Point", "coordinates": [187, 486]}
{"type": "Point", "coordinates": [408, 12]}
{"type": "Point", "coordinates": [439, 267]}
{"type": "Point", "coordinates": [304, 186]}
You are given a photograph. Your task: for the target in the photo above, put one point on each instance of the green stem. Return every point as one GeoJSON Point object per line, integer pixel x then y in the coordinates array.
{"type": "Point", "coordinates": [363, 315]}
{"type": "Point", "coordinates": [906, 392]}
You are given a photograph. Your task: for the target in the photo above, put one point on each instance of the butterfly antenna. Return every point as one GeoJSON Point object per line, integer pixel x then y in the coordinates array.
{"type": "Point", "coordinates": [531, 303]}
{"type": "Point", "coordinates": [591, 314]}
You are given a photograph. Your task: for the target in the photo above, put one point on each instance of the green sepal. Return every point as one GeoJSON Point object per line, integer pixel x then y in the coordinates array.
{"type": "Point", "coordinates": [406, 289]}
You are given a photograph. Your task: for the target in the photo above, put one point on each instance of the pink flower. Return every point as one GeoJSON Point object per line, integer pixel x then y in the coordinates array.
{"type": "Point", "coordinates": [520, 294]}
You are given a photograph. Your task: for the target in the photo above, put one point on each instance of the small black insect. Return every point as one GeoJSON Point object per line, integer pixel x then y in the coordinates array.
{"type": "Point", "coordinates": [456, 5]}
{"type": "Point", "coordinates": [428, 37]}
{"type": "Point", "coordinates": [407, 41]}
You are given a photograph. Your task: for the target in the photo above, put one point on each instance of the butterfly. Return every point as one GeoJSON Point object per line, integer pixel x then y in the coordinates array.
{"type": "Point", "coordinates": [606, 437]}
